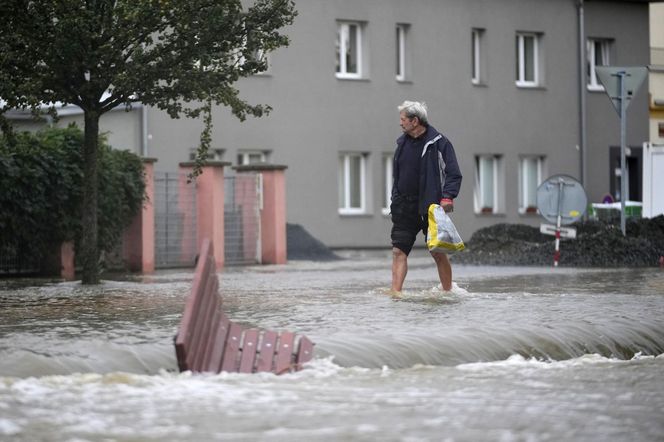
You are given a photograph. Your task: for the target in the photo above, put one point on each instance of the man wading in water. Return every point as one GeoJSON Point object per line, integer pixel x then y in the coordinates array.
{"type": "Point", "coordinates": [425, 172]}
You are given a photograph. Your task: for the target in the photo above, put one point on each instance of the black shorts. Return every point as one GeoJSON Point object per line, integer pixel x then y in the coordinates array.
{"type": "Point", "coordinates": [406, 223]}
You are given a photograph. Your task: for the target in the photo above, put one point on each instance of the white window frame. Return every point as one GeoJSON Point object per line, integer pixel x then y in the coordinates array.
{"type": "Point", "coordinates": [604, 44]}
{"type": "Point", "coordinates": [476, 56]}
{"type": "Point", "coordinates": [526, 193]}
{"type": "Point", "coordinates": [521, 80]}
{"type": "Point", "coordinates": [480, 198]}
{"type": "Point", "coordinates": [402, 54]}
{"type": "Point", "coordinates": [214, 154]}
{"type": "Point", "coordinates": [261, 54]}
{"type": "Point", "coordinates": [343, 32]}
{"type": "Point", "coordinates": [345, 190]}
{"type": "Point", "coordinates": [245, 157]}
{"type": "Point", "coordinates": [387, 191]}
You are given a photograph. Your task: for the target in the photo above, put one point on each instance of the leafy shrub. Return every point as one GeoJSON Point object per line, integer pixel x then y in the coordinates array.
{"type": "Point", "coordinates": [41, 176]}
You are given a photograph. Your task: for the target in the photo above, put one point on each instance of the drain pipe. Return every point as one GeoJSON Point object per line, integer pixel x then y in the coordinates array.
{"type": "Point", "coordinates": [582, 92]}
{"type": "Point", "coordinates": [144, 130]}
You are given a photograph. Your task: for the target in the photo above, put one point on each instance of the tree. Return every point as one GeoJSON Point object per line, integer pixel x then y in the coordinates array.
{"type": "Point", "coordinates": [181, 56]}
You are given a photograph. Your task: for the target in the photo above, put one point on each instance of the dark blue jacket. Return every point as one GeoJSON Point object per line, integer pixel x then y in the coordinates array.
{"type": "Point", "coordinates": [440, 176]}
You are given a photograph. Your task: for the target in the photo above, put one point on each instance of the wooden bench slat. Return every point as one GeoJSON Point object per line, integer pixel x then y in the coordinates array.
{"type": "Point", "coordinates": [211, 342]}
{"type": "Point", "coordinates": [193, 300]}
{"type": "Point", "coordinates": [232, 349]}
{"type": "Point", "coordinates": [217, 354]}
{"type": "Point", "coordinates": [305, 352]}
{"type": "Point", "coordinates": [283, 359]}
{"type": "Point", "coordinates": [187, 328]}
{"type": "Point", "coordinates": [266, 351]}
{"type": "Point", "coordinates": [249, 348]}
{"type": "Point", "coordinates": [203, 333]}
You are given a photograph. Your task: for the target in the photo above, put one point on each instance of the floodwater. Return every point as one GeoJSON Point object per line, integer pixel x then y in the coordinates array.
{"type": "Point", "coordinates": [511, 354]}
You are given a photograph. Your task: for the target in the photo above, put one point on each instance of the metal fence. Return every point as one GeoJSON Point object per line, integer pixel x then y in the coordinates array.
{"type": "Point", "coordinates": [175, 220]}
{"type": "Point", "coordinates": [242, 205]}
{"type": "Point", "coordinates": [12, 262]}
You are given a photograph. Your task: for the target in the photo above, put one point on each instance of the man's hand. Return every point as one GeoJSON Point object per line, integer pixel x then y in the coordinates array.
{"type": "Point", "coordinates": [447, 204]}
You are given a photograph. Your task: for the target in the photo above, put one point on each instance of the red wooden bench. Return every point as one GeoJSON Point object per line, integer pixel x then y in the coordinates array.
{"type": "Point", "coordinates": [208, 341]}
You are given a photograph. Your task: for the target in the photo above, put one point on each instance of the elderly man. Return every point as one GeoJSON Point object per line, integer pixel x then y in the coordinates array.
{"type": "Point", "coordinates": [425, 172]}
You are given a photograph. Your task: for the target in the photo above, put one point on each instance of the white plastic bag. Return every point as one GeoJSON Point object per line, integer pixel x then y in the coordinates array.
{"type": "Point", "coordinates": [442, 236]}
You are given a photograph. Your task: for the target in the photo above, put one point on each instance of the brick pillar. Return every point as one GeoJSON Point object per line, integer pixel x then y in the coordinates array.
{"type": "Point", "coordinates": [139, 236]}
{"type": "Point", "coordinates": [67, 266]}
{"type": "Point", "coordinates": [273, 213]}
{"type": "Point", "coordinates": [210, 205]}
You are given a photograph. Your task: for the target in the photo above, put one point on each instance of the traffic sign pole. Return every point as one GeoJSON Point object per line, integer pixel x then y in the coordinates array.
{"type": "Point", "coordinates": [623, 143]}
{"type": "Point", "coordinates": [556, 253]}
{"type": "Point", "coordinates": [621, 84]}
{"type": "Point", "coordinates": [560, 200]}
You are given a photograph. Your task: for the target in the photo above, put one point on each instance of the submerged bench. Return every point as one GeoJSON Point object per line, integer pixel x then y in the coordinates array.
{"type": "Point", "coordinates": [208, 341]}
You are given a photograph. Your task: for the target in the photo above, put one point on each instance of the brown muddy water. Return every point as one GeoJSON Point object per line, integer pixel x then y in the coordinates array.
{"type": "Point", "coordinates": [511, 354]}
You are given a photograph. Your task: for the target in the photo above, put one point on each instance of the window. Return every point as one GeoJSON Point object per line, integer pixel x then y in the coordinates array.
{"type": "Point", "coordinates": [261, 56]}
{"type": "Point", "coordinates": [488, 180]}
{"type": "Point", "coordinates": [352, 183]}
{"type": "Point", "coordinates": [402, 54]}
{"type": "Point", "coordinates": [387, 183]}
{"type": "Point", "coordinates": [598, 55]}
{"type": "Point", "coordinates": [527, 60]}
{"type": "Point", "coordinates": [476, 56]}
{"type": "Point", "coordinates": [251, 157]}
{"type": "Point", "coordinates": [531, 171]}
{"type": "Point", "coordinates": [212, 154]}
{"type": "Point", "coordinates": [349, 50]}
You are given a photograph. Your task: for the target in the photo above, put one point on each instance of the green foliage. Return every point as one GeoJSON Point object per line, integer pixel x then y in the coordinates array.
{"type": "Point", "coordinates": [173, 54]}
{"type": "Point", "coordinates": [40, 191]}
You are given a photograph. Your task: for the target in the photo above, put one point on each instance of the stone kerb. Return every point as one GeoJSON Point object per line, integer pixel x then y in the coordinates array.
{"type": "Point", "coordinates": [273, 212]}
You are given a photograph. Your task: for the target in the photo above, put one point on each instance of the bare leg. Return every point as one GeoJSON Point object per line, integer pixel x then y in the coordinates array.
{"type": "Point", "coordinates": [444, 270]}
{"type": "Point", "coordinates": [399, 269]}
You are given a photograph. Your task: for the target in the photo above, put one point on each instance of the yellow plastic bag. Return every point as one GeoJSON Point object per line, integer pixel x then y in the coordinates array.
{"type": "Point", "coordinates": [442, 236]}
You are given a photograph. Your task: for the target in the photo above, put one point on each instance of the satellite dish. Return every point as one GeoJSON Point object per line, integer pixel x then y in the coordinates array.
{"type": "Point", "coordinates": [561, 195]}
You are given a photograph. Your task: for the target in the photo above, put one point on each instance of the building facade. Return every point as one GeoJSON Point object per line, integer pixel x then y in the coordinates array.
{"type": "Point", "coordinates": [504, 80]}
{"type": "Point", "coordinates": [656, 79]}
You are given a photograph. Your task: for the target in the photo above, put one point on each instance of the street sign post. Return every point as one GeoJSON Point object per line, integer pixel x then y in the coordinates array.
{"type": "Point", "coordinates": [621, 84]}
{"type": "Point", "coordinates": [560, 199]}
{"type": "Point", "coordinates": [565, 232]}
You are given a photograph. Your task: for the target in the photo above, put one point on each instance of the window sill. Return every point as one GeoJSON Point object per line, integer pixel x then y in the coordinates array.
{"type": "Point", "coordinates": [355, 214]}
{"type": "Point", "coordinates": [350, 78]}
{"type": "Point", "coordinates": [530, 86]}
{"type": "Point", "coordinates": [404, 81]}
{"type": "Point", "coordinates": [598, 88]}
{"type": "Point", "coordinates": [490, 214]}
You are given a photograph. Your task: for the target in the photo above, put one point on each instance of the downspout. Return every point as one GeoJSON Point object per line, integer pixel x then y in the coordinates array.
{"type": "Point", "coordinates": [582, 92]}
{"type": "Point", "coordinates": [144, 130]}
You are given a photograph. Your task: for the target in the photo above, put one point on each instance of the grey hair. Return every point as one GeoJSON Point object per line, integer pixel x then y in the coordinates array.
{"type": "Point", "coordinates": [415, 109]}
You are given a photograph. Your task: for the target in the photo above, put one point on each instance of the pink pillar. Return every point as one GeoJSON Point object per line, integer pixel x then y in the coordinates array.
{"type": "Point", "coordinates": [139, 236]}
{"type": "Point", "coordinates": [210, 206]}
{"type": "Point", "coordinates": [273, 213]}
{"type": "Point", "coordinates": [67, 267]}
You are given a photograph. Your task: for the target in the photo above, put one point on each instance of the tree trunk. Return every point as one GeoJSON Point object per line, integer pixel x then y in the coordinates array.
{"type": "Point", "coordinates": [89, 244]}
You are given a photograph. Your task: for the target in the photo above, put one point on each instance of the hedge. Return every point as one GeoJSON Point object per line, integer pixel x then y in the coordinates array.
{"type": "Point", "coordinates": [41, 176]}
